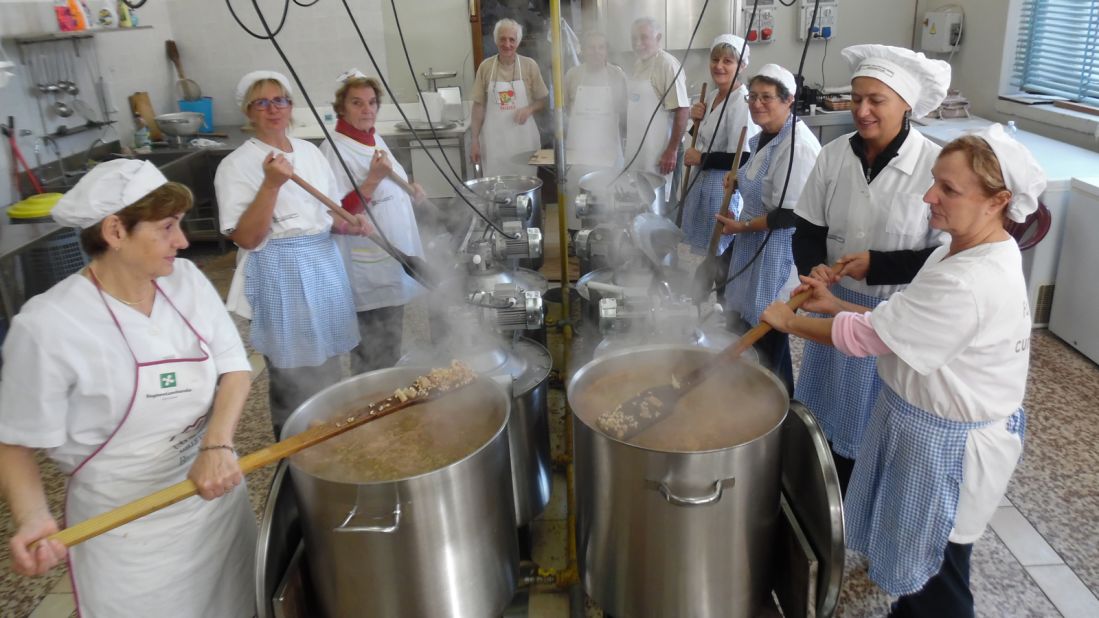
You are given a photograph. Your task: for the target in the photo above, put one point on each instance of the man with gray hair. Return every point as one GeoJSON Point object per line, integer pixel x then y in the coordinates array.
{"type": "Point", "coordinates": [654, 70]}
{"type": "Point", "coordinates": [507, 91]}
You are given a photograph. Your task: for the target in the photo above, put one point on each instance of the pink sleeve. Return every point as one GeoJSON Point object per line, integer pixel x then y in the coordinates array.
{"type": "Point", "coordinates": [854, 335]}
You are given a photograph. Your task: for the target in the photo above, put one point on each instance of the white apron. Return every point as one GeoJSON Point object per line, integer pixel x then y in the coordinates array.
{"type": "Point", "coordinates": [594, 141]}
{"type": "Point", "coordinates": [191, 559]}
{"type": "Point", "coordinates": [504, 144]}
{"type": "Point", "coordinates": [642, 100]}
{"type": "Point", "coordinates": [377, 279]}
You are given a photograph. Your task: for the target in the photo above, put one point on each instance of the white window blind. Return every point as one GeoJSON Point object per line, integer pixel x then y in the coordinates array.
{"type": "Point", "coordinates": [1058, 50]}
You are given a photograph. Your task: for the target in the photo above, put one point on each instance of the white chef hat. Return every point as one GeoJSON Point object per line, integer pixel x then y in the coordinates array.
{"type": "Point", "coordinates": [780, 75]}
{"type": "Point", "coordinates": [919, 80]}
{"type": "Point", "coordinates": [735, 42]}
{"type": "Point", "coordinates": [106, 189]}
{"type": "Point", "coordinates": [246, 82]}
{"type": "Point", "coordinates": [350, 74]}
{"type": "Point", "coordinates": [1022, 175]}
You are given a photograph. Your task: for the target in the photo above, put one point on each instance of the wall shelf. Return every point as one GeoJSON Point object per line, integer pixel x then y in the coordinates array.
{"type": "Point", "coordinates": [64, 36]}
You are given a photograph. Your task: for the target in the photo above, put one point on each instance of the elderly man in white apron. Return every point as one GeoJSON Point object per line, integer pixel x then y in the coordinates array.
{"type": "Point", "coordinates": [655, 72]}
{"type": "Point", "coordinates": [507, 91]}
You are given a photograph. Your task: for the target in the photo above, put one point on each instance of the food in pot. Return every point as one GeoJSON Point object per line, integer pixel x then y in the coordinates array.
{"type": "Point", "coordinates": [412, 441]}
{"type": "Point", "coordinates": [736, 404]}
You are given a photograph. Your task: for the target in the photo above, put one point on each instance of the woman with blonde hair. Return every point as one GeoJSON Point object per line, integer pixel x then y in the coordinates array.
{"type": "Point", "coordinates": [952, 351]}
{"type": "Point", "coordinates": [290, 279]}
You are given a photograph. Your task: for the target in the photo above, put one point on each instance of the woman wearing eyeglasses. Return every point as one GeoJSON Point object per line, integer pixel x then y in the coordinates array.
{"type": "Point", "coordinates": [759, 280]}
{"type": "Point", "coordinates": [715, 152]}
{"type": "Point", "coordinates": [290, 280]}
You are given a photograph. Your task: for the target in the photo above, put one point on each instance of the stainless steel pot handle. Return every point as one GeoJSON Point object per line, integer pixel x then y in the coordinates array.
{"type": "Point", "coordinates": [711, 498]}
{"type": "Point", "coordinates": [343, 527]}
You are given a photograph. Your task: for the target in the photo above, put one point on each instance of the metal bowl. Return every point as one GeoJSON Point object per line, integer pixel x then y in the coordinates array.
{"type": "Point", "coordinates": [180, 124]}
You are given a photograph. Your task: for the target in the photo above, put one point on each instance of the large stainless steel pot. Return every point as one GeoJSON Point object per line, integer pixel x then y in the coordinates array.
{"type": "Point", "coordinates": [678, 532]}
{"type": "Point", "coordinates": [511, 191]}
{"type": "Point", "coordinates": [441, 543]}
{"type": "Point", "coordinates": [523, 366]}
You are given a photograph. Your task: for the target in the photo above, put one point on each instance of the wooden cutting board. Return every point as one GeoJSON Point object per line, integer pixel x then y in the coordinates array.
{"type": "Point", "coordinates": [141, 105]}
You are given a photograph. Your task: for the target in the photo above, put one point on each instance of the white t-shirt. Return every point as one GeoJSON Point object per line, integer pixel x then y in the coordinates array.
{"type": "Point", "coordinates": [960, 337]}
{"type": "Point", "coordinates": [69, 375]}
{"type": "Point", "coordinates": [737, 116]}
{"type": "Point", "coordinates": [296, 213]}
{"type": "Point", "coordinates": [888, 214]}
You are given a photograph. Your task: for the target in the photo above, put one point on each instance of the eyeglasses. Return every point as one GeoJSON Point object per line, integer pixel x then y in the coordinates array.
{"type": "Point", "coordinates": [766, 99]}
{"type": "Point", "coordinates": [278, 102]}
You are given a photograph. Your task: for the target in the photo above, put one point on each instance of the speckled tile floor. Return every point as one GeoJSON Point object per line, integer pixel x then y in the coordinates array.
{"type": "Point", "coordinates": [1053, 529]}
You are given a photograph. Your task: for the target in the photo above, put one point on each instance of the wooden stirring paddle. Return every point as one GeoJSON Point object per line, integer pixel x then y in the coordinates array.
{"type": "Point", "coordinates": [686, 182]}
{"type": "Point", "coordinates": [655, 404]}
{"type": "Point", "coordinates": [706, 274]}
{"type": "Point", "coordinates": [425, 388]}
{"type": "Point", "coordinates": [414, 266]}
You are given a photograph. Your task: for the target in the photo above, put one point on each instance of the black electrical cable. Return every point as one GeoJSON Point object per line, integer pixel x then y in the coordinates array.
{"type": "Point", "coordinates": [380, 235]}
{"type": "Point", "coordinates": [793, 143]}
{"type": "Point", "coordinates": [134, 5]}
{"type": "Point", "coordinates": [282, 22]}
{"type": "Point", "coordinates": [415, 134]}
{"type": "Point", "coordinates": [412, 72]}
{"type": "Point", "coordinates": [305, 5]}
{"type": "Point", "coordinates": [660, 103]}
{"type": "Point", "coordinates": [823, 80]}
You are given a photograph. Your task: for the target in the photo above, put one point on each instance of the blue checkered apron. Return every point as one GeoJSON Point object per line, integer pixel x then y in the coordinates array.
{"type": "Point", "coordinates": [302, 309]}
{"type": "Point", "coordinates": [903, 497]}
{"type": "Point", "coordinates": [751, 292]}
{"type": "Point", "coordinates": [839, 389]}
{"type": "Point", "coordinates": [703, 202]}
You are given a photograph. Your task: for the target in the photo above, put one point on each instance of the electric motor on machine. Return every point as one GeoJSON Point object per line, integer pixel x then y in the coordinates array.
{"type": "Point", "coordinates": [508, 308]}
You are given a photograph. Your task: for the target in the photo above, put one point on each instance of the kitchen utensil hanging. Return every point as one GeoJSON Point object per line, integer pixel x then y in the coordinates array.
{"type": "Point", "coordinates": [189, 87]}
{"type": "Point", "coordinates": [59, 107]}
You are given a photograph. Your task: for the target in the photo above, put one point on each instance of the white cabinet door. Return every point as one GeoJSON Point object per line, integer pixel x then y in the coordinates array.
{"type": "Point", "coordinates": [1075, 313]}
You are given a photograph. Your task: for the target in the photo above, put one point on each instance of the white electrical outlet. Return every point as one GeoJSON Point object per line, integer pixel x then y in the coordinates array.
{"type": "Point", "coordinates": [763, 27]}
{"type": "Point", "coordinates": [825, 24]}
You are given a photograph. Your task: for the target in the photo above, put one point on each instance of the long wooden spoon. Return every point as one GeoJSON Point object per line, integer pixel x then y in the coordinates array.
{"type": "Point", "coordinates": [706, 274]}
{"type": "Point", "coordinates": [687, 168]}
{"type": "Point", "coordinates": [414, 266]}
{"type": "Point", "coordinates": [654, 404]}
{"type": "Point", "coordinates": [442, 381]}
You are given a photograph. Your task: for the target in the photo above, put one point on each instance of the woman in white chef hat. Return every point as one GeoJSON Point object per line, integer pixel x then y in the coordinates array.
{"type": "Point", "coordinates": [762, 265]}
{"type": "Point", "coordinates": [864, 197]}
{"type": "Point", "coordinates": [953, 351]}
{"type": "Point", "coordinates": [290, 279]}
{"type": "Point", "coordinates": [714, 154]}
{"type": "Point", "coordinates": [132, 376]}
{"type": "Point", "coordinates": [380, 286]}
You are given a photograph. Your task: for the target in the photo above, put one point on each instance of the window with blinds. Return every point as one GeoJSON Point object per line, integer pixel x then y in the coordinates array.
{"type": "Point", "coordinates": [1058, 50]}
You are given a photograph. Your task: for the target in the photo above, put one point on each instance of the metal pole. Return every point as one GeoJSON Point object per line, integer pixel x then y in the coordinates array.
{"type": "Point", "coordinates": [560, 168]}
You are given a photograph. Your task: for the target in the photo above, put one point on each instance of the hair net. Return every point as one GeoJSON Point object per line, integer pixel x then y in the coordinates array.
{"type": "Point", "coordinates": [919, 80]}
{"type": "Point", "coordinates": [246, 82]}
{"type": "Point", "coordinates": [780, 75]}
{"type": "Point", "coordinates": [349, 75]}
{"type": "Point", "coordinates": [106, 189]}
{"type": "Point", "coordinates": [1022, 174]}
{"type": "Point", "coordinates": [736, 43]}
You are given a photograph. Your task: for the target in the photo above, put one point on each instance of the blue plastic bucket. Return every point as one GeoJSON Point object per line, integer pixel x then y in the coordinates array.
{"type": "Point", "coordinates": [204, 106]}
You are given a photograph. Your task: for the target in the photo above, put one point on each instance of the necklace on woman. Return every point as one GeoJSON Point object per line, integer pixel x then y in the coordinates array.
{"type": "Point", "coordinates": [99, 282]}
